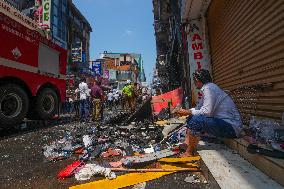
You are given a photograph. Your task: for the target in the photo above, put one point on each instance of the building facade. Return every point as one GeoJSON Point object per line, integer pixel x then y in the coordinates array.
{"type": "Point", "coordinates": [243, 42]}
{"type": "Point", "coordinates": [170, 61]}
{"type": "Point", "coordinates": [124, 66]}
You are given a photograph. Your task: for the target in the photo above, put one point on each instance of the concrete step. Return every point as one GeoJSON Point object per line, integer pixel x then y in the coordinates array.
{"type": "Point", "coordinates": [230, 170]}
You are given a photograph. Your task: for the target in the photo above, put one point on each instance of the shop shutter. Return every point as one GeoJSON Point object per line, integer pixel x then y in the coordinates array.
{"type": "Point", "coordinates": [247, 51]}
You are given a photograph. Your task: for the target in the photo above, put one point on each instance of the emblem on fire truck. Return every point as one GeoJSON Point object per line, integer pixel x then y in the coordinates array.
{"type": "Point", "coordinates": [16, 53]}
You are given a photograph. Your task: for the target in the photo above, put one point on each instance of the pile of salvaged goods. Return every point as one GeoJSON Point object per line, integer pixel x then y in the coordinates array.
{"type": "Point", "coordinates": [265, 137]}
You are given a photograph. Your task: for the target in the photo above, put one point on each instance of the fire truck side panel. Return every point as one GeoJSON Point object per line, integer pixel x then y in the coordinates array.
{"type": "Point", "coordinates": [17, 49]}
{"type": "Point", "coordinates": [34, 81]}
{"type": "Point", "coordinates": [20, 57]}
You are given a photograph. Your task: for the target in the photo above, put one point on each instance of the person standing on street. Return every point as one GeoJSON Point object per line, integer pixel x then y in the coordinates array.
{"type": "Point", "coordinates": [110, 99]}
{"type": "Point", "coordinates": [83, 90]}
{"type": "Point", "coordinates": [77, 102]}
{"type": "Point", "coordinates": [127, 92]}
{"type": "Point", "coordinates": [89, 102]}
{"type": "Point", "coordinates": [116, 98]}
{"type": "Point", "coordinates": [67, 102]}
{"type": "Point", "coordinates": [97, 97]}
{"type": "Point", "coordinates": [71, 102]}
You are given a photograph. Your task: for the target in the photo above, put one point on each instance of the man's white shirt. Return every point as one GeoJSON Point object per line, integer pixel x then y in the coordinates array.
{"type": "Point", "coordinates": [83, 90]}
{"type": "Point", "coordinates": [218, 104]}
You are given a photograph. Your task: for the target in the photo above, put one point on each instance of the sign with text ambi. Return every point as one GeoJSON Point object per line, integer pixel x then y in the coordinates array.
{"type": "Point", "coordinates": [199, 57]}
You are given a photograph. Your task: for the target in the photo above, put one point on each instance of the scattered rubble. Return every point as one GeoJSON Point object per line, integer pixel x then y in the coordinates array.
{"type": "Point", "coordinates": [140, 186]}
{"type": "Point", "coordinates": [192, 179]}
{"type": "Point", "coordinates": [92, 169]}
{"type": "Point", "coordinates": [128, 145]}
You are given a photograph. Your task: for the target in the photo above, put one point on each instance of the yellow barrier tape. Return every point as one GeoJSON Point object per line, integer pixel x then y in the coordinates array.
{"type": "Point", "coordinates": [125, 180]}
{"type": "Point", "coordinates": [192, 165]}
{"type": "Point", "coordinates": [177, 160]}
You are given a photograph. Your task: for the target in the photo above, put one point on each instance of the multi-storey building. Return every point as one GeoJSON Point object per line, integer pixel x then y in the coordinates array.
{"type": "Point", "coordinates": [79, 38]}
{"type": "Point", "coordinates": [126, 65]}
{"type": "Point", "coordinates": [170, 55]}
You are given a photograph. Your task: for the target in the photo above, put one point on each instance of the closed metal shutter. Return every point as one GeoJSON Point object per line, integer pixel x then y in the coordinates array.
{"type": "Point", "coordinates": [247, 51]}
{"type": "Point", "coordinates": [48, 60]}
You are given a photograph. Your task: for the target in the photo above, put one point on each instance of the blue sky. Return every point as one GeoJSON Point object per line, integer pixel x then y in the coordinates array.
{"type": "Point", "coordinates": [121, 26]}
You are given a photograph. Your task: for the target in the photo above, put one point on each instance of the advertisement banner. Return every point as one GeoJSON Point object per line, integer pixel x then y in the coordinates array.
{"type": "Point", "coordinates": [46, 4]}
{"type": "Point", "coordinates": [198, 53]}
{"type": "Point", "coordinates": [97, 68]}
{"type": "Point", "coordinates": [84, 58]}
{"type": "Point", "coordinates": [77, 54]}
{"type": "Point", "coordinates": [106, 74]}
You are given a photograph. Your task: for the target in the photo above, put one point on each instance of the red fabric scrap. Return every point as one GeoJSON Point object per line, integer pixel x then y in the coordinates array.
{"type": "Point", "coordinates": [160, 102]}
{"type": "Point", "coordinates": [69, 170]}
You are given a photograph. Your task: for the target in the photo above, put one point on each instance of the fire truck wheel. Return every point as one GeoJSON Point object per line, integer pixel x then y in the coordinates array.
{"type": "Point", "coordinates": [46, 104]}
{"type": "Point", "coordinates": [14, 105]}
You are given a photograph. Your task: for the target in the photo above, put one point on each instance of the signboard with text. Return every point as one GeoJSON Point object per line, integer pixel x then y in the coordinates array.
{"type": "Point", "coordinates": [97, 68]}
{"type": "Point", "coordinates": [46, 4]}
{"type": "Point", "coordinates": [198, 54]}
{"type": "Point", "coordinates": [77, 54]}
{"type": "Point", "coordinates": [84, 58]}
{"type": "Point", "coordinates": [106, 74]}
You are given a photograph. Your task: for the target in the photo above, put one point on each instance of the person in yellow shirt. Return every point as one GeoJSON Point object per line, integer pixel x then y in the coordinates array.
{"type": "Point", "coordinates": [127, 92]}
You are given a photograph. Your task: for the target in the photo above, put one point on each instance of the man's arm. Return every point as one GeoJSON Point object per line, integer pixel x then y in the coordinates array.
{"type": "Point", "coordinates": [183, 112]}
{"type": "Point", "coordinates": [208, 103]}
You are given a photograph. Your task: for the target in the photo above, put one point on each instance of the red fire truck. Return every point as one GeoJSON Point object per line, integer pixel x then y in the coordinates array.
{"type": "Point", "coordinates": [32, 69]}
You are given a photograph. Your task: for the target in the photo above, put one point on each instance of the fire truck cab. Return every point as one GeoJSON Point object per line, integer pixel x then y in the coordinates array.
{"type": "Point", "coordinates": [32, 69]}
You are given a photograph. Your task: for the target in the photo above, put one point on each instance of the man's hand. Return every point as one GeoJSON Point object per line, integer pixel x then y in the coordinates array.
{"type": "Point", "coordinates": [183, 112]}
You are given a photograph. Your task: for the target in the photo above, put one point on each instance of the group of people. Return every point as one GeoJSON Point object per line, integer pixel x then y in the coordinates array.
{"type": "Point", "coordinates": [88, 101]}
{"type": "Point", "coordinates": [113, 99]}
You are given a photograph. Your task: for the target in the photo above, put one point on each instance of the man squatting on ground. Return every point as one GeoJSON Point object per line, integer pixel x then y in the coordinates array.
{"type": "Point", "coordinates": [216, 114]}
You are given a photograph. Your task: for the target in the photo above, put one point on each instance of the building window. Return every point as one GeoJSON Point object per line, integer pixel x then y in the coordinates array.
{"type": "Point", "coordinates": [14, 3]}
{"type": "Point", "coordinates": [59, 19]}
{"type": "Point", "coordinates": [77, 21]}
